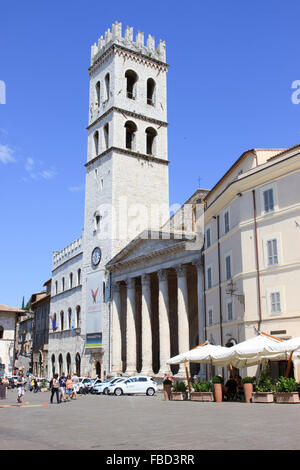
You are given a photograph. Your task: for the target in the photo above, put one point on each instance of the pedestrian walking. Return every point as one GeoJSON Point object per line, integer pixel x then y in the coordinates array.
{"type": "Point", "coordinates": [21, 387]}
{"type": "Point", "coordinates": [75, 381]}
{"type": "Point", "coordinates": [62, 387]}
{"type": "Point", "coordinates": [29, 383]}
{"type": "Point", "coordinates": [55, 388]}
{"type": "Point", "coordinates": [69, 387]}
{"type": "Point", "coordinates": [36, 386]}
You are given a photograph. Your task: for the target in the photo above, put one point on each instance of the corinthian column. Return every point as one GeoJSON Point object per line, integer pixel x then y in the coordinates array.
{"type": "Point", "coordinates": [116, 330]}
{"type": "Point", "coordinates": [183, 314]}
{"type": "Point", "coordinates": [146, 327]}
{"type": "Point", "coordinates": [164, 324]}
{"type": "Point", "coordinates": [201, 309]}
{"type": "Point", "coordinates": [130, 329]}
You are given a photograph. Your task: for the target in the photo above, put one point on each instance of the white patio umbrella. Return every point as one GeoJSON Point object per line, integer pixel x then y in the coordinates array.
{"type": "Point", "coordinates": [290, 345]}
{"type": "Point", "coordinates": [205, 353]}
{"type": "Point", "coordinates": [255, 350]}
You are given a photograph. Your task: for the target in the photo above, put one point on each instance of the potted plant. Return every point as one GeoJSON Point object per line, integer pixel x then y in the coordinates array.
{"type": "Point", "coordinates": [287, 390]}
{"type": "Point", "coordinates": [44, 386]}
{"type": "Point", "coordinates": [179, 391]}
{"type": "Point", "coordinates": [264, 388]}
{"type": "Point", "coordinates": [203, 391]}
{"type": "Point", "coordinates": [167, 387]}
{"type": "Point", "coordinates": [248, 388]}
{"type": "Point", "coordinates": [218, 381]}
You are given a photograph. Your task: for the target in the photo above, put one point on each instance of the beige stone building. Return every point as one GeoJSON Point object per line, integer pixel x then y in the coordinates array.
{"type": "Point", "coordinates": [8, 325]}
{"type": "Point", "coordinates": [252, 250]}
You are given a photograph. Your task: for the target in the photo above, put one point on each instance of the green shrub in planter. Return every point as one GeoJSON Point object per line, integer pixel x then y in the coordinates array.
{"type": "Point", "coordinates": [285, 384]}
{"type": "Point", "coordinates": [265, 383]}
{"type": "Point", "coordinates": [179, 387]}
{"type": "Point", "coordinates": [217, 380]}
{"type": "Point", "coordinates": [248, 380]}
{"type": "Point", "coordinates": [203, 387]}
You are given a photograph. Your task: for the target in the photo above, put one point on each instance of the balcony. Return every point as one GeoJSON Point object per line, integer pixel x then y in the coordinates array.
{"type": "Point", "coordinates": [63, 334]}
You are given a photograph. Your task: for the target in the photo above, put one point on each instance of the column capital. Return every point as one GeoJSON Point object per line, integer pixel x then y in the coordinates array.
{"type": "Point", "coordinates": [116, 287]}
{"type": "Point", "coordinates": [130, 283]}
{"type": "Point", "coordinates": [162, 275]}
{"type": "Point", "coordinates": [198, 263]}
{"type": "Point", "coordinates": [181, 270]}
{"type": "Point", "coordinates": [145, 279]}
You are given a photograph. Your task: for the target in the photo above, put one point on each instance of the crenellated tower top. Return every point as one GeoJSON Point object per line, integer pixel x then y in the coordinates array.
{"type": "Point", "coordinates": [114, 36]}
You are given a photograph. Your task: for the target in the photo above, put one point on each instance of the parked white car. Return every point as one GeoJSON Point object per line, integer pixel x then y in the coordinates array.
{"type": "Point", "coordinates": [110, 388]}
{"type": "Point", "coordinates": [134, 385]}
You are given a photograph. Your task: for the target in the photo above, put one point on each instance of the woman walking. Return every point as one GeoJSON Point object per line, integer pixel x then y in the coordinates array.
{"type": "Point", "coordinates": [75, 381]}
{"type": "Point", "coordinates": [69, 387]}
{"type": "Point", "coordinates": [55, 388]}
{"type": "Point", "coordinates": [21, 386]}
{"type": "Point", "coordinates": [62, 387]}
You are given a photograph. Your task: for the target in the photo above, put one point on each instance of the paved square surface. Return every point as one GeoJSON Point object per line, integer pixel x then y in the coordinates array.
{"type": "Point", "coordinates": [145, 423]}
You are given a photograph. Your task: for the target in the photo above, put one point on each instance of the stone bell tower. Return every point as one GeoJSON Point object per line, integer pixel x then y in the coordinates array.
{"type": "Point", "coordinates": [127, 187]}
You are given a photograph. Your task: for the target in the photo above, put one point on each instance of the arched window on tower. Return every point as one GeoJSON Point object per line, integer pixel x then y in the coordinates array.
{"type": "Point", "coordinates": [97, 92]}
{"type": "Point", "coordinates": [151, 137]}
{"type": "Point", "coordinates": [96, 143]}
{"type": "Point", "coordinates": [130, 133]}
{"type": "Point", "coordinates": [78, 277]}
{"type": "Point", "coordinates": [107, 86]}
{"type": "Point", "coordinates": [97, 219]}
{"type": "Point", "coordinates": [151, 91]}
{"type": "Point", "coordinates": [131, 81]}
{"type": "Point", "coordinates": [63, 284]}
{"type": "Point", "coordinates": [106, 135]}
{"type": "Point", "coordinates": [71, 280]}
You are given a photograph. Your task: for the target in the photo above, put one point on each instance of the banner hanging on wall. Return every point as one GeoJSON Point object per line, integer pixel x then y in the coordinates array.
{"type": "Point", "coordinates": [94, 301]}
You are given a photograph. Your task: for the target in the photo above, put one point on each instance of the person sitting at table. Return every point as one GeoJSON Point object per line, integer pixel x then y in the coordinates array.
{"type": "Point", "coordinates": [240, 391]}
{"type": "Point", "coordinates": [230, 389]}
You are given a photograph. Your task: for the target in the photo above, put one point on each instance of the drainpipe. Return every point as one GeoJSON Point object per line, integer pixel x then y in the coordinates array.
{"type": "Point", "coordinates": [257, 261]}
{"type": "Point", "coordinates": [220, 280]}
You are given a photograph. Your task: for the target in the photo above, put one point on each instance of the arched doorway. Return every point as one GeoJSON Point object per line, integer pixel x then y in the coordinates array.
{"type": "Point", "coordinates": [98, 369]}
{"type": "Point", "coordinates": [78, 360]}
{"type": "Point", "coordinates": [60, 364]}
{"type": "Point", "coordinates": [53, 364]}
{"type": "Point", "coordinates": [68, 364]}
{"type": "Point", "coordinates": [232, 342]}
{"type": "Point", "coordinates": [41, 364]}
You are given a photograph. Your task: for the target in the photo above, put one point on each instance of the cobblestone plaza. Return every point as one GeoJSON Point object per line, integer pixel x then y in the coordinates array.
{"type": "Point", "coordinates": [145, 423]}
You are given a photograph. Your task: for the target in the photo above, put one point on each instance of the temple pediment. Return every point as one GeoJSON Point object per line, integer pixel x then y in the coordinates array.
{"type": "Point", "coordinates": [150, 244]}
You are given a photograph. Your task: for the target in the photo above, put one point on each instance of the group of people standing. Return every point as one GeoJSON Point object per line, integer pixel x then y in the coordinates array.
{"type": "Point", "coordinates": [64, 387]}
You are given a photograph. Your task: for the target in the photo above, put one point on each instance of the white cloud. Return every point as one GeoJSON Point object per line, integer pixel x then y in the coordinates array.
{"type": "Point", "coordinates": [75, 189]}
{"type": "Point", "coordinates": [6, 154]}
{"type": "Point", "coordinates": [47, 174]}
{"type": "Point", "coordinates": [36, 174]}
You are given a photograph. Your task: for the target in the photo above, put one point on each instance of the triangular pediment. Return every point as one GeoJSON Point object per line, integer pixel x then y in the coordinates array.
{"type": "Point", "coordinates": [149, 243]}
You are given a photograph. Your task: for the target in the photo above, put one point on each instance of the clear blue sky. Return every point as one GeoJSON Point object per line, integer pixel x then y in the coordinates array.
{"type": "Point", "coordinates": [232, 65]}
